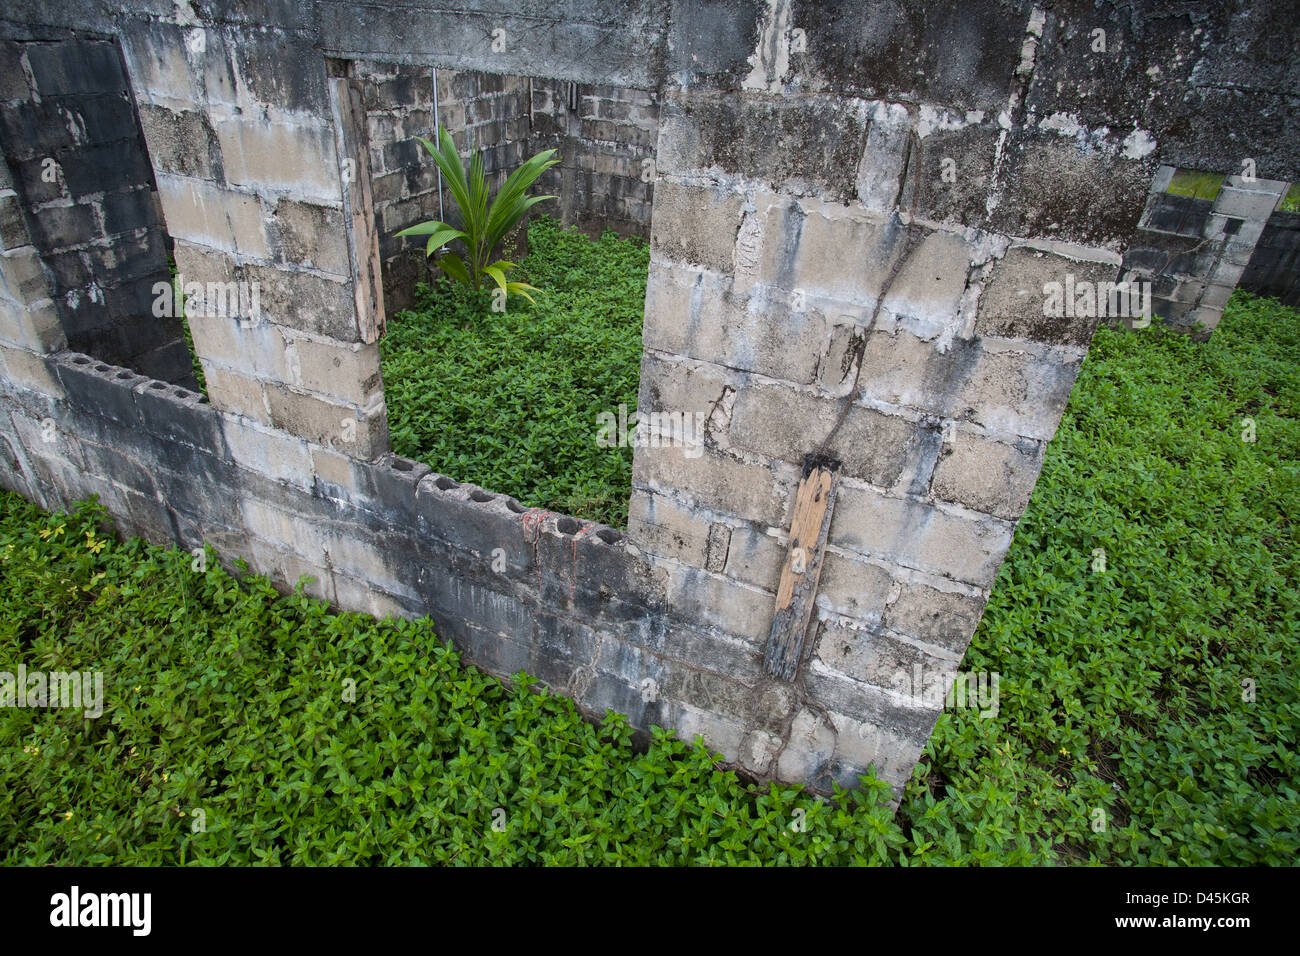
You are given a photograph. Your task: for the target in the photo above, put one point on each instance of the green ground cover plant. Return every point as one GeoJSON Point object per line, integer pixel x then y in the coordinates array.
{"type": "Point", "coordinates": [1160, 690]}
{"type": "Point", "coordinates": [508, 400]}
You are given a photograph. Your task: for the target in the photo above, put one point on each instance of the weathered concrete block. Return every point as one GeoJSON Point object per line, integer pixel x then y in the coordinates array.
{"type": "Point", "coordinates": [810, 748]}
{"type": "Point", "coordinates": [35, 327]}
{"type": "Point", "coordinates": [180, 141]}
{"type": "Point", "coordinates": [988, 476]}
{"type": "Point", "coordinates": [305, 301]}
{"type": "Point", "coordinates": [178, 414]}
{"type": "Point", "coordinates": [1014, 303]}
{"type": "Point", "coordinates": [99, 388]}
{"type": "Point", "coordinates": [699, 314]}
{"type": "Point", "coordinates": [28, 369]}
{"type": "Point", "coordinates": [13, 227]}
{"type": "Point", "coordinates": [1256, 201]}
{"type": "Point", "coordinates": [349, 373]}
{"type": "Point", "coordinates": [712, 480]}
{"type": "Point", "coordinates": [160, 73]}
{"type": "Point", "coordinates": [661, 526]}
{"type": "Point", "coordinates": [208, 215]}
{"type": "Point", "coordinates": [754, 557]}
{"type": "Point", "coordinates": [251, 348]}
{"type": "Point", "coordinates": [693, 389]}
{"type": "Point", "coordinates": [22, 278]}
{"type": "Point", "coordinates": [876, 658]}
{"type": "Point", "coordinates": [926, 295]}
{"type": "Point", "coordinates": [919, 535]}
{"type": "Point", "coordinates": [697, 596]}
{"type": "Point", "coordinates": [233, 392]}
{"type": "Point", "coordinates": [268, 451]}
{"type": "Point", "coordinates": [478, 522]}
{"type": "Point", "coordinates": [954, 165]}
{"type": "Point", "coordinates": [854, 588]}
{"type": "Point", "coordinates": [885, 157]}
{"type": "Point", "coordinates": [1014, 393]}
{"type": "Point", "coordinates": [1053, 188]}
{"type": "Point", "coordinates": [812, 140]}
{"type": "Point", "coordinates": [1009, 392]}
{"type": "Point", "coordinates": [946, 619]}
{"type": "Point", "coordinates": [784, 423]}
{"type": "Point", "coordinates": [253, 153]}
{"type": "Point", "coordinates": [313, 236]}
{"type": "Point", "coordinates": [359, 433]}
{"type": "Point", "coordinates": [826, 251]}
{"type": "Point", "coordinates": [696, 225]}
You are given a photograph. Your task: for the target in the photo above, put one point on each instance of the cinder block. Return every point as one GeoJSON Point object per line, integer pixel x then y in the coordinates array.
{"type": "Point", "coordinates": [853, 588]}
{"type": "Point", "coordinates": [275, 454]}
{"type": "Point", "coordinates": [826, 251]}
{"type": "Point", "coordinates": [1013, 393]}
{"type": "Point", "coordinates": [813, 140]}
{"type": "Point", "coordinates": [1009, 392]}
{"type": "Point", "coordinates": [1227, 273]}
{"type": "Point", "coordinates": [28, 369]}
{"type": "Point", "coordinates": [390, 483]}
{"type": "Point", "coordinates": [1014, 304]}
{"type": "Point", "coordinates": [1246, 203]}
{"type": "Point", "coordinates": [986, 475]}
{"type": "Point", "coordinates": [693, 390]}
{"type": "Point", "coordinates": [156, 61]}
{"type": "Point", "coordinates": [13, 227]}
{"type": "Point", "coordinates": [697, 314]}
{"type": "Point", "coordinates": [927, 291]}
{"type": "Point", "coordinates": [305, 301]}
{"type": "Point", "coordinates": [754, 557]}
{"type": "Point", "coordinates": [22, 278]}
{"type": "Point", "coordinates": [697, 596]}
{"type": "Point", "coordinates": [695, 225]}
{"type": "Point", "coordinates": [180, 141]}
{"type": "Point", "coordinates": [919, 535]}
{"type": "Point", "coordinates": [660, 526]}
{"type": "Point", "coordinates": [35, 327]}
{"type": "Point", "coordinates": [347, 373]}
{"type": "Point", "coordinates": [341, 427]}
{"type": "Point", "coordinates": [231, 392]}
{"type": "Point", "coordinates": [98, 387]}
{"type": "Point", "coordinates": [863, 744]}
{"type": "Point", "coordinates": [758, 493]}
{"type": "Point", "coordinates": [256, 349]}
{"type": "Point", "coordinates": [809, 750]}
{"type": "Point", "coordinates": [784, 423]}
{"type": "Point", "coordinates": [75, 67]}
{"type": "Point", "coordinates": [333, 468]}
{"type": "Point", "coordinates": [1217, 296]}
{"type": "Point", "coordinates": [208, 215]}
{"type": "Point", "coordinates": [253, 155]}
{"type": "Point", "coordinates": [313, 236]}
{"type": "Point", "coordinates": [944, 618]}
{"type": "Point", "coordinates": [876, 658]}
{"type": "Point", "coordinates": [178, 414]}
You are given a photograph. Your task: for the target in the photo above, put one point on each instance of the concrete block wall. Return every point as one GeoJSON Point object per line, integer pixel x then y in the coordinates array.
{"type": "Point", "coordinates": [83, 183]}
{"type": "Point", "coordinates": [258, 198]}
{"type": "Point", "coordinates": [605, 137]}
{"type": "Point", "coordinates": [788, 285]}
{"type": "Point", "coordinates": [398, 103]}
{"type": "Point", "coordinates": [1274, 268]}
{"type": "Point", "coordinates": [814, 258]}
{"type": "Point", "coordinates": [1195, 250]}
{"type": "Point", "coordinates": [605, 143]}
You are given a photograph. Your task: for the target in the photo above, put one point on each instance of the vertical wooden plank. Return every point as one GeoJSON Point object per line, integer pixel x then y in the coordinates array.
{"type": "Point", "coordinates": [797, 589]}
